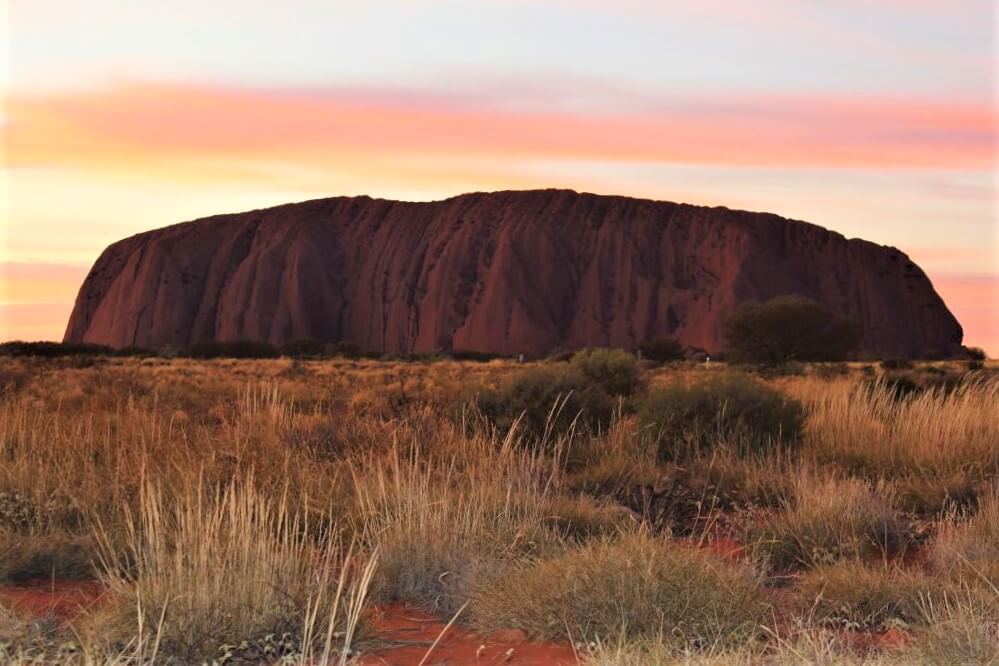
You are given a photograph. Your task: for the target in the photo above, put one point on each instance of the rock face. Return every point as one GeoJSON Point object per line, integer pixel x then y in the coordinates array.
{"type": "Point", "coordinates": [505, 273]}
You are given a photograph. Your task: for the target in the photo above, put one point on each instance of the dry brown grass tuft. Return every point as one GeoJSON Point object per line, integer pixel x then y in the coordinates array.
{"type": "Point", "coordinates": [969, 550]}
{"type": "Point", "coordinates": [439, 521]}
{"type": "Point", "coordinates": [862, 595]}
{"type": "Point", "coordinates": [635, 585]}
{"type": "Point", "coordinates": [830, 519]}
{"type": "Point", "coordinates": [207, 570]}
{"type": "Point", "coordinates": [961, 628]}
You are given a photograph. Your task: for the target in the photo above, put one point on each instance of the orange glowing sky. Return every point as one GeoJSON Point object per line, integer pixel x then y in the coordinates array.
{"type": "Point", "coordinates": [876, 119]}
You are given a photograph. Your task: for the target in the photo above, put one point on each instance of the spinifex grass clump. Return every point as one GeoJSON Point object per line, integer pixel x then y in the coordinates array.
{"type": "Point", "coordinates": [830, 520]}
{"type": "Point", "coordinates": [441, 523]}
{"type": "Point", "coordinates": [962, 627]}
{"type": "Point", "coordinates": [206, 572]}
{"type": "Point", "coordinates": [969, 550]}
{"type": "Point", "coordinates": [863, 595]}
{"type": "Point", "coordinates": [635, 585]}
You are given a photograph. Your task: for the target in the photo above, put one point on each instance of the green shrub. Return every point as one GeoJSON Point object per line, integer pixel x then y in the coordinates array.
{"type": "Point", "coordinates": [635, 586]}
{"type": "Point", "coordinates": [662, 350]}
{"type": "Point", "coordinates": [547, 399]}
{"type": "Point", "coordinates": [614, 370]}
{"type": "Point", "coordinates": [732, 407]}
{"type": "Point", "coordinates": [787, 328]}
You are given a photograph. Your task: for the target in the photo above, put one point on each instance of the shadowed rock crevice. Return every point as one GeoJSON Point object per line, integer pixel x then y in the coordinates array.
{"type": "Point", "coordinates": [502, 273]}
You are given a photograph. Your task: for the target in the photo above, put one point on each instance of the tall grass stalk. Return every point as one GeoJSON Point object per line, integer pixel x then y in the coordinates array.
{"type": "Point", "coordinates": [219, 567]}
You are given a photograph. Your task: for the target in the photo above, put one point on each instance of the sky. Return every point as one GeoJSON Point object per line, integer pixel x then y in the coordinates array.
{"type": "Point", "coordinates": [875, 118]}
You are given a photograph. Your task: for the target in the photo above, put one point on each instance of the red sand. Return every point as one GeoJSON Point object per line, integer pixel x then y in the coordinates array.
{"type": "Point", "coordinates": [726, 548]}
{"type": "Point", "coordinates": [62, 600]}
{"type": "Point", "coordinates": [871, 641]}
{"type": "Point", "coordinates": [416, 631]}
{"type": "Point", "coordinates": [408, 633]}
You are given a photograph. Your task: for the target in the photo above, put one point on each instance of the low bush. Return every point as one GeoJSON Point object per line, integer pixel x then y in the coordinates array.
{"type": "Point", "coordinates": [635, 585]}
{"type": "Point", "coordinates": [53, 349]}
{"type": "Point", "coordinates": [662, 350]}
{"type": "Point", "coordinates": [614, 370]}
{"type": "Point", "coordinates": [547, 402]}
{"type": "Point", "coordinates": [728, 407]}
{"type": "Point", "coordinates": [233, 349]}
{"type": "Point", "coordinates": [303, 348]}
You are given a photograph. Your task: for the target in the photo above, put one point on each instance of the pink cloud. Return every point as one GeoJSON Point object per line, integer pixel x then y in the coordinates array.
{"type": "Point", "coordinates": [136, 124]}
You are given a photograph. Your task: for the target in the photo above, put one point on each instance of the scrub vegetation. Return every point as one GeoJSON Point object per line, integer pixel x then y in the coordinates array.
{"type": "Point", "coordinates": [657, 511]}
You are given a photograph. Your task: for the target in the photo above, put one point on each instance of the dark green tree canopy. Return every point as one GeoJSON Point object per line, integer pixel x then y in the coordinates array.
{"type": "Point", "coordinates": [785, 329]}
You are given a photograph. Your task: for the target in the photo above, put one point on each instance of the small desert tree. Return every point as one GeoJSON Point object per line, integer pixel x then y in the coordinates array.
{"type": "Point", "coordinates": [785, 329]}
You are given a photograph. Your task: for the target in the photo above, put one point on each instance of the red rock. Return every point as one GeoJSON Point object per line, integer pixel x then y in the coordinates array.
{"type": "Point", "coordinates": [505, 272]}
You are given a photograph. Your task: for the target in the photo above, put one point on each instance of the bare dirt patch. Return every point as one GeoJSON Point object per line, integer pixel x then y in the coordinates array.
{"type": "Point", "coordinates": [408, 635]}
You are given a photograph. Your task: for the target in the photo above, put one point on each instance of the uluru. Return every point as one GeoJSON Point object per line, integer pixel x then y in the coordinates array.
{"type": "Point", "coordinates": [498, 273]}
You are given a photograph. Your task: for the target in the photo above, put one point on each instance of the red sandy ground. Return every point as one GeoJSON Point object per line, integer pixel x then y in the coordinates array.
{"type": "Point", "coordinates": [416, 631]}
{"type": "Point", "coordinates": [408, 633]}
{"type": "Point", "coordinates": [62, 600]}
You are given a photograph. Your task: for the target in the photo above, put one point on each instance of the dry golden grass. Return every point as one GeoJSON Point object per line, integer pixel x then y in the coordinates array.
{"type": "Point", "coordinates": [864, 595]}
{"type": "Point", "coordinates": [207, 570]}
{"type": "Point", "coordinates": [147, 471]}
{"type": "Point", "coordinates": [865, 428]}
{"type": "Point", "coordinates": [441, 521]}
{"type": "Point", "coordinates": [634, 585]}
{"type": "Point", "coordinates": [829, 520]}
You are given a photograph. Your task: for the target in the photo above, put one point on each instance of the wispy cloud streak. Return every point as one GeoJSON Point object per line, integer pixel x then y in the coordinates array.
{"type": "Point", "coordinates": [133, 124]}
